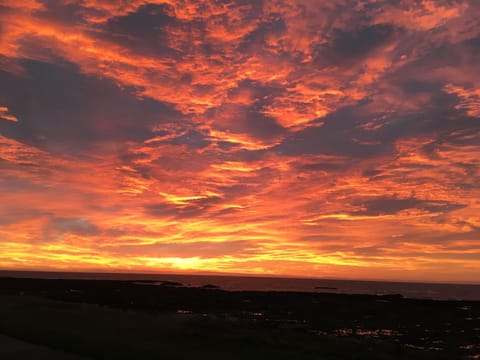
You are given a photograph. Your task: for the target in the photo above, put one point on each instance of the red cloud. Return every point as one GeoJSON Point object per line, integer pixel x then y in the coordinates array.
{"type": "Point", "coordinates": [286, 137]}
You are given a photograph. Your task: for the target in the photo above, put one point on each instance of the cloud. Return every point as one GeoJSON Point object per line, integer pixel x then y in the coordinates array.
{"type": "Point", "coordinates": [19, 215]}
{"type": "Point", "coordinates": [183, 206]}
{"type": "Point", "coordinates": [4, 115]}
{"type": "Point", "coordinates": [69, 117]}
{"type": "Point", "coordinates": [77, 226]}
{"type": "Point", "coordinates": [202, 249]}
{"type": "Point", "coordinates": [469, 99]}
{"type": "Point", "coordinates": [349, 47]}
{"type": "Point", "coordinates": [392, 205]}
{"type": "Point", "coordinates": [306, 137]}
{"type": "Point", "coordinates": [336, 135]}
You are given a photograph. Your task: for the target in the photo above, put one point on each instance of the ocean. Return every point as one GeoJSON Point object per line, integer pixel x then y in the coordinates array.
{"type": "Point", "coordinates": [435, 291]}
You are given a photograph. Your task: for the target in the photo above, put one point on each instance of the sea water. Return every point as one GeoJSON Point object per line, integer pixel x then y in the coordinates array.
{"type": "Point", "coordinates": [435, 291]}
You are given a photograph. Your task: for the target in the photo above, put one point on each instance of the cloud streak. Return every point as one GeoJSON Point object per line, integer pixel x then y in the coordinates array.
{"type": "Point", "coordinates": [4, 114]}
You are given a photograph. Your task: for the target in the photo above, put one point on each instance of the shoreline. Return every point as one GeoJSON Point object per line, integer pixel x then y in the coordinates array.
{"type": "Point", "coordinates": [391, 321]}
{"type": "Point", "coordinates": [410, 290]}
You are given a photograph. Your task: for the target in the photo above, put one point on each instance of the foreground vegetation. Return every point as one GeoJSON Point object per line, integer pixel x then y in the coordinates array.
{"type": "Point", "coordinates": [105, 333]}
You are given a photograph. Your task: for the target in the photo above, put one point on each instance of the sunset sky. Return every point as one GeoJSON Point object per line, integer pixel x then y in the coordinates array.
{"type": "Point", "coordinates": [307, 138]}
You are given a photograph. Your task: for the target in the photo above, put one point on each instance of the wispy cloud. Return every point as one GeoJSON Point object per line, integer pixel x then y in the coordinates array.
{"type": "Point", "coordinates": [291, 137]}
{"type": "Point", "coordinates": [4, 114]}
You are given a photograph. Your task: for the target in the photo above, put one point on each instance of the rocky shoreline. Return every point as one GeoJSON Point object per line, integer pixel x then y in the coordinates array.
{"type": "Point", "coordinates": [442, 328]}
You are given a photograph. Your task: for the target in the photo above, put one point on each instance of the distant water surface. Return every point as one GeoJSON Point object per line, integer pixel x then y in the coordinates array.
{"type": "Point", "coordinates": [408, 290]}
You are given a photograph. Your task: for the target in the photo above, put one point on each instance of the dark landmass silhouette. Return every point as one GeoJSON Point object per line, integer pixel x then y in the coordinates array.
{"type": "Point", "coordinates": [332, 326]}
{"type": "Point", "coordinates": [325, 288]}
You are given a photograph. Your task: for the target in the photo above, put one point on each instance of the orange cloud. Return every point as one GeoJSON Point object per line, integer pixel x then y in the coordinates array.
{"type": "Point", "coordinates": [278, 137]}
{"type": "Point", "coordinates": [5, 115]}
{"type": "Point", "coordinates": [470, 99]}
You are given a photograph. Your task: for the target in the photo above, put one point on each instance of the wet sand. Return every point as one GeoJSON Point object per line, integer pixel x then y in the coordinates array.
{"type": "Point", "coordinates": [13, 349]}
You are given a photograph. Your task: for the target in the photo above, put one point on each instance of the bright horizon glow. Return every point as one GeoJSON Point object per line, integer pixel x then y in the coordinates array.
{"type": "Point", "coordinates": [300, 138]}
{"type": "Point", "coordinates": [119, 272]}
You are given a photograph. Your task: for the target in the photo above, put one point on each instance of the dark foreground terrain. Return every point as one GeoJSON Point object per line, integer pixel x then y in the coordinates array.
{"type": "Point", "coordinates": [14, 349]}
{"type": "Point", "coordinates": [104, 319]}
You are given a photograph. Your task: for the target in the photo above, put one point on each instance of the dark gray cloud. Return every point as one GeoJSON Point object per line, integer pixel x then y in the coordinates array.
{"type": "Point", "coordinates": [349, 46]}
{"type": "Point", "coordinates": [338, 136]}
{"type": "Point", "coordinates": [391, 205]}
{"type": "Point", "coordinates": [61, 109]}
{"type": "Point", "coordinates": [342, 133]}
{"type": "Point", "coordinates": [17, 185]}
{"type": "Point", "coordinates": [256, 40]}
{"type": "Point", "coordinates": [192, 138]}
{"type": "Point", "coordinates": [245, 119]}
{"type": "Point", "coordinates": [77, 226]}
{"type": "Point", "coordinates": [142, 31]}
{"type": "Point", "coordinates": [61, 12]}
{"type": "Point", "coordinates": [321, 166]}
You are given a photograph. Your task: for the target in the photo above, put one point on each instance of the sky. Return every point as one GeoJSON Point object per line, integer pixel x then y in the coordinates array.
{"type": "Point", "coordinates": [310, 138]}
